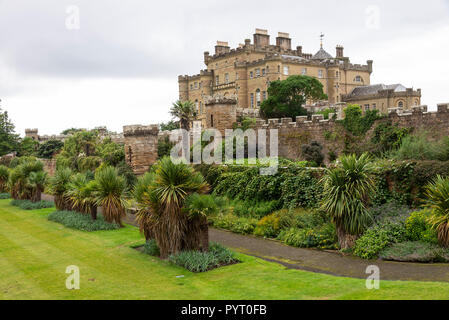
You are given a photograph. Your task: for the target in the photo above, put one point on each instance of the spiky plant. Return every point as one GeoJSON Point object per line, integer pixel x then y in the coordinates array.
{"type": "Point", "coordinates": [185, 112]}
{"type": "Point", "coordinates": [75, 192]}
{"type": "Point", "coordinates": [199, 208]}
{"type": "Point", "coordinates": [167, 194]}
{"type": "Point", "coordinates": [437, 199]}
{"type": "Point", "coordinates": [89, 200]}
{"type": "Point", "coordinates": [347, 191]}
{"type": "Point", "coordinates": [140, 195]}
{"type": "Point", "coordinates": [4, 177]}
{"type": "Point", "coordinates": [36, 182]}
{"type": "Point", "coordinates": [110, 194]}
{"type": "Point", "coordinates": [58, 187]}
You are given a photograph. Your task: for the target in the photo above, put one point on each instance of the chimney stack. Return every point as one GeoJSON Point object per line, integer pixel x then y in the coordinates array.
{"type": "Point", "coordinates": [261, 38]}
{"type": "Point", "coordinates": [340, 53]}
{"type": "Point", "coordinates": [283, 41]}
{"type": "Point", "coordinates": [222, 47]}
{"type": "Point", "coordinates": [299, 50]}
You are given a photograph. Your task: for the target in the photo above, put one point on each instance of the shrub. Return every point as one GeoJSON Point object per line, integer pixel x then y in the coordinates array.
{"type": "Point", "coordinates": [378, 238]}
{"type": "Point", "coordinates": [302, 219]}
{"type": "Point", "coordinates": [196, 261]}
{"type": "Point", "coordinates": [79, 221]}
{"type": "Point", "coordinates": [419, 228]}
{"type": "Point", "coordinates": [252, 209]}
{"type": "Point", "coordinates": [415, 252]}
{"type": "Point", "coordinates": [151, 248]}
{"type": "Point", "coordinates": [235, 224]}
{"type": "Point", "coordinates": [4, 176]}
{"type": "Point", "coordinates": [268, 227]}
{"type": "Point", "coordinates": [313, 152]}
{"type": "Point", "coordinates": [4, 196]}
{"type": "Point", "coordinates": [391, 211]}
{"type": "Point", "coordinates": [29, 205]}
{"type": "Point", "coordinates": [323, 237]}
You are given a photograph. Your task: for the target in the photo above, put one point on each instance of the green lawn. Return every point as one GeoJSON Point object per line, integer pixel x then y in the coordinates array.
{"type": "Point", "coordinates": [34, 254]}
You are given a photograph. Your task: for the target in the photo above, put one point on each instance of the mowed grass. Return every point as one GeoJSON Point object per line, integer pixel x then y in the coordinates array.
{"type": "Point", "coordinates": [34, 255]}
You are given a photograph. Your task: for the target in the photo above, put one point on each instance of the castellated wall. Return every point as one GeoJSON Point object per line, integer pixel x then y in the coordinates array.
{"type": "Point", "coordinates": [141, 146]}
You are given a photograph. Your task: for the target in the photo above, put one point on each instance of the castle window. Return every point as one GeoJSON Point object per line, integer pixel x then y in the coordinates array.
{"type": "Point", "coordinates": [252, 100]}
{"type": "Point", "coordinates": [257, 73]}
{"type": "Point", "coordinates": [264, 95]}
{"type": "Point", "coordinates": [366, 107]}
{"type": "Point", "coordinates": [196, 85]}
{"type": "Point", "coordinates": [337, 74]}
{"type": "Point", "coordinates": [279, 69]}
{"type": "Point", "coordinates": [320, 74]}
{"type": "Point", "coordinates": [227, 78]}
{"type": "Point", "coordinates": [358, 79]}
{"type": "Point", "coordinates": [374, 106]}
{"type": "Point", "coordinates": [286, 71]}
{"type": "Point", "coordinates": [400, 104]}
{"type": "Point", "coordinates": [263, 73]}
{"type": "Point", "coordinates": [217, 80]}
{"type": "Point", "coordinates": [258, 97]}
{"type": "Point", "coordinates": [212, 120]}
{"type": "Point", "coordinates": [268, 69]}
{"type": "Point", "coordinates": [304, 71]}
{"type": "Point", "coordinates": [191, 87]}
{"type": "Point", "coordinates": [251, 75]}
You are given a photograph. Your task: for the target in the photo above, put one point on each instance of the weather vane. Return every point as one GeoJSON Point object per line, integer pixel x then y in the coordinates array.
{"type": "Point", "coordinates": [321, 39]}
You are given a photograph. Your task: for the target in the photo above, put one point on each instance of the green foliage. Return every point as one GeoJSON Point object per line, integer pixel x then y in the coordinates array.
{"type": "Point", "coordinates": [28, 205]}
{"type": "Point", "coordinates": [419, 228]}
{"type": "Point", "coordinates": [71, 131]}
{"type": "Point", "coordinates": [111, 153]}
{"type": "Point", "coordinates": [390, 212]}
{"type": "Point", "coordinates": [127, 173]}
{"type": "Point", "coordinates": [313, 152]}
{"type": "Point", "coordinates": [416, 251]}
{"type": "Point", "coordinates": [245, 123]}
{"type": "Point", "coordinates": [326, 113]}
{"type": "Point", "coordinates": [83, 222]}
{"type": "Point", "coordinates": [164, 147]}
{"type": "Point", "coordinates": [169, 126]}
{"type": "Point", "coordinates": [388, 137]}
{"type": "Point", "coordinates": [378, 238]}
{"type": "Point", "coordinates": [417, 147]}
{"type": "Point", "coordinates": [151, 248]}
{"type": "Point", "coordinates": [200, 205]}
{"type": "Point", "coordinates": [27, 179]}
{"type": "Point", "coordinates": [4, 196]}
{"type": "Point", "coordinates": [27, 147]}
{"type": "Point", "coordinates": [185, 112]}
{"type": "Point", "coordinates": [9, 140]}
{"type": "Point", "coordinates": [268, 227]}
{"type": "Point", "coordinates": [49, 148]}
{"type": "Point", "coordinates": [4, 177]}
{"type": "Point", "coordinates": [235, 224]}
{"type": "Point", "coordinates": [253, 209]}
{"type": "Point", "coordinates": [196, 261]}
{"type": "Point", "coordinates": [286, 98]}
{"type": "Point", "coordinates": [322, 237]}
{"type": "Point", "coordinates": [356, 123]}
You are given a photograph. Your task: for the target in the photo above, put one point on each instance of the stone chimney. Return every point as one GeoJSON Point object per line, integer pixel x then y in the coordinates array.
{"type": "Point", "coordinates": [261, 38]}
{"type": "Point", "coordinates": [206, 57]}
{"type": "Point", "coordinates": [222, 47]}
{"type": "Point", "coordinates": [283, 41]}
{"type": "Point", "coordinates": [340, 53]}
{"type": "Point", "coordinates": [370, 65]}
{"type": "Point", "coordinates": [299, 50]}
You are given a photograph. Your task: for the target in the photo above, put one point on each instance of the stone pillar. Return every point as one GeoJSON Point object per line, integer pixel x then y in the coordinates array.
{"type": "Point", "coordinates": [141, 144]}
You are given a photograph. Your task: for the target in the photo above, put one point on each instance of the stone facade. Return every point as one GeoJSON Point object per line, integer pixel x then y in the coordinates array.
{"type": "Point", "coordinates": [141, 144]}
{"type": "Point", "coordinates": [248, 70]}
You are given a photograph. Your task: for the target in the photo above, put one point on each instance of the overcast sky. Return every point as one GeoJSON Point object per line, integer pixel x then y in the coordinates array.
{"type": "Point", "coordinates": [119, 64]}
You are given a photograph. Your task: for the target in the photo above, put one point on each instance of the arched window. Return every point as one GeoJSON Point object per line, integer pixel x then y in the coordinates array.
{"type": "Point", "coordinates": [358, 79]}
{"type": "Point", "coordinates": [258, 99]}
{"type": "Point", "coordinates": [400, 104]}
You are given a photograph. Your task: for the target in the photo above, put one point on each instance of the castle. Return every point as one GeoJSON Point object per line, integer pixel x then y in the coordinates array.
{"type": "Point", "coordinates": [247, 71]}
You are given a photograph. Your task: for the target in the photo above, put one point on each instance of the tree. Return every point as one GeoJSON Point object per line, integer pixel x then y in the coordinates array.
{"type": "Point", "coordinates": [49, 148]}
{"type": "Point", "coordinates": [347, 191]}
{"type": "Point", "coordinates": [58, 187]}
{"type": "Point", "coordinates": [71, 131]}
{"type": "Point", "coordinates": [169, 126]}
{"type": "Point", "coordinates": [37, 181]}
{"type": "Point", "coordinates": [27, 147]}
{"type": "Point", "coordinates": [313, 153]}
{"type": "Point", "coordinates": [286, 98]}
{"type": "Point", "coordinates": [9, 141]}
{"type": "Point", "coordinates": [437, 199]}
{"type": "Point", "coordinates": [185, 112]}
{"type": "Point", "coordinates": [164, 200]}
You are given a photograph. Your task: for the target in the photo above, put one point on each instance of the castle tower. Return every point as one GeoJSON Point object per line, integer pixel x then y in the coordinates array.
{"type": "Point", "coordinates": [141, 144]}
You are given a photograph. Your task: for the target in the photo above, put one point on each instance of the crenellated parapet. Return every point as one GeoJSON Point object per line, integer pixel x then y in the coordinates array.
{"type": "Point", "coordinates": [140, 131]}
{"type": "Point", "coordinates": [141, 144]}
{"type": "Point", "coordinates": [231, 99]}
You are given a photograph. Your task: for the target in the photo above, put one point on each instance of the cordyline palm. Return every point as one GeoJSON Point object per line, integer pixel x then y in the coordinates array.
{"type": "Point", "coordinates": [140, 195]}
{"type": "Point", "coordinates": [58, 186]}
{"type": "Point", "coordinates": [166, 196]}
{"type": "Point", "coordinates": [4, 177]}
{"type": "Point", "coordinates": [36, 182]}
{"type": "Point", "coordinates": [437, 199]}
{"type": "Point", "coordinates": [347, 190]}
{"type": "Point", "coordinates": [75, 192]}
{"type": "Point", "coordinates": [185, 112]}
{"type": "Point", "coordinates": [110, 194]}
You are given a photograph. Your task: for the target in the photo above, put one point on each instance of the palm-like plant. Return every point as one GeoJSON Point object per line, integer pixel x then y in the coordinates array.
{"type": "Point", "coordinates": [185, 112]}
{"type": "Point", "coordinates": [110, 194]}
{"type": "Point", "coordinates": [36, 182]}
{"type": "Point", "coordinates": [347, 191]}
{"type": "Point", "coordinates": [58, 186]}
{"type": "Point", "coordinates": [437, 199]}
{"type": "Point", "coordinates": [143, 216]}
{"type": "Point", "coordinates": [75, 192]}
{"type": "Point", "coordinates": [4, 177]}
{"type": "Point", "coordinates": [165, 198]}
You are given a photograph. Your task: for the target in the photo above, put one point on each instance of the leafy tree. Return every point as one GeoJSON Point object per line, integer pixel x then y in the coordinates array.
{"type": "Point", "coordinates": [8, 139]}
{"type": "Point", "coordinates": [347, 192]}
{"type": "Point", "coordinates": [27, 180]}
{"type": "Point", "coordinates": [286, 98]}
{"type": "Point", "coordinates": [169, 126]}
{"type": "Point", "coordinates": [357, 123]}
{"type": "Point", "coordinates": [313, 153]}
{"type": "Point", "coordinates": [185, 112]}
{"type": "Point", "coordinates": [388, 137]}
{"type": "Point", "coordinates": [71, 131]}
{"type": "Point", "coordinates": [164, 147]}
{"type": "Point", "coordinates": [437, 199]}
{"type": "Point", "coordinates": [49, 148]}
{"type": "Point", "coordinates": [27, 147]}
{"type": "Point", "coordinates": [110, 152]}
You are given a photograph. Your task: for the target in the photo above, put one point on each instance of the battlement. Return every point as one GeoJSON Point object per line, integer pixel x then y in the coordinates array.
{"type": "Point", "coordinates": [220, 99]}
{"type": "Point", "coordinates": [34, 131]}
{"type": "Point", "coordinates": [140, 130]}
{"type": "Point", "coordinates": [422, 111]}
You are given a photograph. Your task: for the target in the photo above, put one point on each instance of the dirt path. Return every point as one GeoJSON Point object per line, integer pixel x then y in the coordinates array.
{"type": "Point", "coordinates": [322, 261]}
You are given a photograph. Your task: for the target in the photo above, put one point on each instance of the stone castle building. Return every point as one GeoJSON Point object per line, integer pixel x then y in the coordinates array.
{"type": "Point", "coordinates": [247, 71]}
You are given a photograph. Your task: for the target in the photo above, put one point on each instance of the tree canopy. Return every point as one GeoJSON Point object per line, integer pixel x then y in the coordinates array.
{"type": "Point", "coordinates": [9, 140]}
{"type": "Point", "coordinates": [286, 98]}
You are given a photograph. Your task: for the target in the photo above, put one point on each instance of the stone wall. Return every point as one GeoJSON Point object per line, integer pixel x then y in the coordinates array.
{"type": "Point", "coordinates": [141, 146]}
{"type": "Point", "coordinates": [49, 166]}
